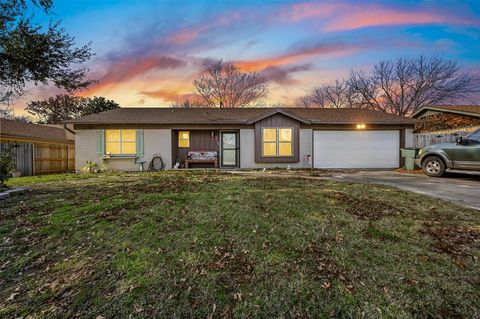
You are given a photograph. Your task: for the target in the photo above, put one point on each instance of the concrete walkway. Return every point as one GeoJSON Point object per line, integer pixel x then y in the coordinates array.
{"type": "Point", "coordinates": [6, 193]}
{"type": "Point", "coordinates": [457, 188]}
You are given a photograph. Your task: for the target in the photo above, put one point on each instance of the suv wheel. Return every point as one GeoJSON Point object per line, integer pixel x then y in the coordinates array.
{"type": "Point", "coordinates": [433, 166]}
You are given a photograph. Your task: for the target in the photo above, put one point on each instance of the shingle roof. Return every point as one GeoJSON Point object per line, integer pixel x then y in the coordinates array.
{"type": "Point", "coordinates": [19, 129]}
{"type": "Point", "coordinates": [472, 110]}
{"type": "Point", "coordinates": [138, 115]}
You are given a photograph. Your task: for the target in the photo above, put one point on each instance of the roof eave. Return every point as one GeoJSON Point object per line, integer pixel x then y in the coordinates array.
{"type": "Point", "coordinates": [366, 122]}
{"type": "Point", "coordinates": [439, 109]}
{"type": "Point", "coordinates": [276, 111]}
{"type": "Point", "coordinates": [44, 139]}
{"type": "Point", "coordinates": [242, 122]}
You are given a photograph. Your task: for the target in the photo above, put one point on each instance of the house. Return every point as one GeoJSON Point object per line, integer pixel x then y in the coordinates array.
{"type": "Point", "coordinates": [38, 149]}
{"type": "Point", "coordinates": [444, 123]}
{"type": "Point", "coordinates": [244, 137]}
{"type": "Point", "coordinates": [446, 117]}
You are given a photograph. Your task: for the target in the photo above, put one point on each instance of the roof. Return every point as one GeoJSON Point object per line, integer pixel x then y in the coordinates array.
{"type": "Point", "coordinates": [139, 115]}
{"type": "Point", "coordinates": [19, 129]}
{"type": "Point", "coordinates": [471, 110]}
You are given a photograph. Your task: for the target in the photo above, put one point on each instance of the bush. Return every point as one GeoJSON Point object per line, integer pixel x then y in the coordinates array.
{"type": "Point", "coordinates": [6, 167]}
{"type": "Point", "coordinates": [90, 167]}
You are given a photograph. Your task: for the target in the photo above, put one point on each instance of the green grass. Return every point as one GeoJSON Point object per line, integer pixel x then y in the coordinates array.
{"type": "Point", "coordinates": [194, 244]}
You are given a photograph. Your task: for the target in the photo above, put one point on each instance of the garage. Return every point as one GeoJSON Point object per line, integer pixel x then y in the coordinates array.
{"type": "Point", "coordinates": [356, 149]}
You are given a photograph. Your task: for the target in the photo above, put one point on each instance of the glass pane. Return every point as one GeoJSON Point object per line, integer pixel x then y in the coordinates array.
{"type": "Point", "coordinates": [183, 143]}
{"type": "Point", "coordinates": [475, 137]}
{"type": "Point", "coordinates": [183, 135]}
{"type": "Point", "coordinates": [129, 148]}
{"type": "Point", "coordinates": [129, 135]}
{"type": "Point", "coordinates": [285, 134]}
{"type": "Point", "coordinates": [269, 135]}
{"type": "Point", "coordinates": [228, 158]}
{"type": "Point", "coordinates": [269, 149]}
{"type": "Point", "coordinates": [112, 147]}
{"type": "Point", "coordinates": [112, 135]}
{"type": "Point", "coordinates": [285, 149]}
{"type": "Point", "coordinates": [228, 140]}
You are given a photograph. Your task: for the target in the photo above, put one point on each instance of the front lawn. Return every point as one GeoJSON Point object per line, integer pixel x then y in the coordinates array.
{"type": "Point", "coordinates": [199, 244]}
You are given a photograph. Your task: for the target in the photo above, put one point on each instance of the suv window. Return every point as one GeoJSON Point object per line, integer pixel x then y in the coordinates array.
{"type": "Point", "coordinates": [474, 137]}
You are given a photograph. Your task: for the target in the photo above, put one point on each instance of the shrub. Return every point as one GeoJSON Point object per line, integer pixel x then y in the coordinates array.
{"type": "Point", "coordinates": [90, 167]}
{"type": "Point", "coordinates": [6, 167]}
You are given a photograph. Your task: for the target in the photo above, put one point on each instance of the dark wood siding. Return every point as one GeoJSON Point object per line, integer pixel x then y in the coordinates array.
{"type": "Point", "coordinates": [200, 140]}
{"type": "Point", "coordinates": [277, 120]}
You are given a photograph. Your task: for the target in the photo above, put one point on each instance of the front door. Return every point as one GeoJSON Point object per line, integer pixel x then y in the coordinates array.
{"type": "Point", "coordinates": [229, 149]}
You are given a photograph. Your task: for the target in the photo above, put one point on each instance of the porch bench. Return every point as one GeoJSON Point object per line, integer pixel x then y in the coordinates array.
{"type": "Point", "coordinates": [201, 157]}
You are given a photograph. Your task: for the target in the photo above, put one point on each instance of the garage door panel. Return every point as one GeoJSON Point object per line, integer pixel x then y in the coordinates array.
{"type": "Point", "coordinates": [356, 149]}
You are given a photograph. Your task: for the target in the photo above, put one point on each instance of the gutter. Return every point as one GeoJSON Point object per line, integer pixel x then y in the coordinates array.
{"type": "Point", "coordinates": [67, 129]}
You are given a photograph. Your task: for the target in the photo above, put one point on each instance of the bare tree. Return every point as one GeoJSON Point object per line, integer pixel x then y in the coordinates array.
{"type": "Point", "coordinates": [404, 85]}
{"type": "Point", "coordinates": [303, 101]}
{"type": "Point", "coordinates": [337, 95]}
{"type": "Point", "coordinates": [224, 85]}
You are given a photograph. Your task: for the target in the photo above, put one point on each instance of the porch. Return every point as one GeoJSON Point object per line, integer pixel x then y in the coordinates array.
{"type": "Point", "coordinates": [220, 148]}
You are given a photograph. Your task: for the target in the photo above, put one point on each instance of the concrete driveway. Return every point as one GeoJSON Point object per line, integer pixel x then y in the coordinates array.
{"type": "Point", "coordinates": [454, 187]}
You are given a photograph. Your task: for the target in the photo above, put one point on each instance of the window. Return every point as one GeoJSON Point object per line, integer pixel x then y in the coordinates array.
{"type": "Point", "coordinates": [474, 137]}
{"type": "Point", "coordinates": [183, 139]}
{"type": "Point", "coordinates": [277, 142]}
{"type": "Point", "coordinates": [120, 142]}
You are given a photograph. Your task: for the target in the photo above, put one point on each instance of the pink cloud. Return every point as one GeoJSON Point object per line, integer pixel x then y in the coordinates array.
{"type": "Point", "coordinates": [380, 16]}
{"type": "Point", "coordinates": [344, 16]}
{"type": "Point", "coordinates": [130, 67]}
{"type": "Point", "coordinates": [171, 96]}
{"type": "Point", "coordinates": [302, 11]}
{"type": "Point", "coordinates": [188, 34]}
{"type": "Point", "coordinates": [297, 55]}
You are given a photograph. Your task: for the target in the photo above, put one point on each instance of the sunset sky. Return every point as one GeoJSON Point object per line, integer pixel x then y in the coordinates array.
{"type": "Point", "coordinates": [148, 52]}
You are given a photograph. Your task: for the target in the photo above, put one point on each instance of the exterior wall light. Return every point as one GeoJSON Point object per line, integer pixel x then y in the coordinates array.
{"type": "Point", "coordinates": [361, 126]}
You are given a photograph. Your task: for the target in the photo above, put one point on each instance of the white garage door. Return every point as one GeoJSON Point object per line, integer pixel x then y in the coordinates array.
{"type": "Point", "coordinates": [356, 149]}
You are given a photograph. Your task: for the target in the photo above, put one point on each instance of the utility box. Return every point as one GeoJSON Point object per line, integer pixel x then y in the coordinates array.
{"type": "Point", "coordinates": [409, 154]}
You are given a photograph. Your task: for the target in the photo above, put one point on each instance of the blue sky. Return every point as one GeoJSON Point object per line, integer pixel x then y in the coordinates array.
{"type": "Point", "coordinates": [148, 52]}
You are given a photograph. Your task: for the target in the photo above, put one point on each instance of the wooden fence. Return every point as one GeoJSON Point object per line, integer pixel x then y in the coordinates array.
{"type": "Point", "coordinates": [53, 158]}
{"type": "Point", "coordinates": [41, 158]}
{"type": "Point", "coordinates": [445, 136]}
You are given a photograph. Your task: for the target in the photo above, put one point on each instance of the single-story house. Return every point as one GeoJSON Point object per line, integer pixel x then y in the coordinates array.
{"type": "Point", "coordinates": [38, 149]}
{"type": "Point", "coordinates": [446, 117]}
{"type": "Point", "coordinates": [243, 138]}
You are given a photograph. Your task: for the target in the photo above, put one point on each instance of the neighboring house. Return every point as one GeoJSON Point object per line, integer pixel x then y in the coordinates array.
{"type": "Point", "coordinates": [244, 137]}
{"type": "Point", "coordinates": [444, 123]}
{"type": "Point", "coordinates": [446, 117]}
{"type": "Point", "coordinates": [38, 149]}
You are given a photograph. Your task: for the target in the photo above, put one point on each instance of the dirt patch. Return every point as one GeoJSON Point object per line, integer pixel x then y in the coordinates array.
{"type": "Point", "coordinates": [327, 270]}
{"type": "Point", "coordinates": [452, 240]}
{"type": "Point", "coordinates": [418, 171]}
{"type": "Point", "coordinates": [175, 183]}
{"type": "Point", "coordinates": [234, 264]}
{"type": "Point", "coordinates": [364, 207]}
